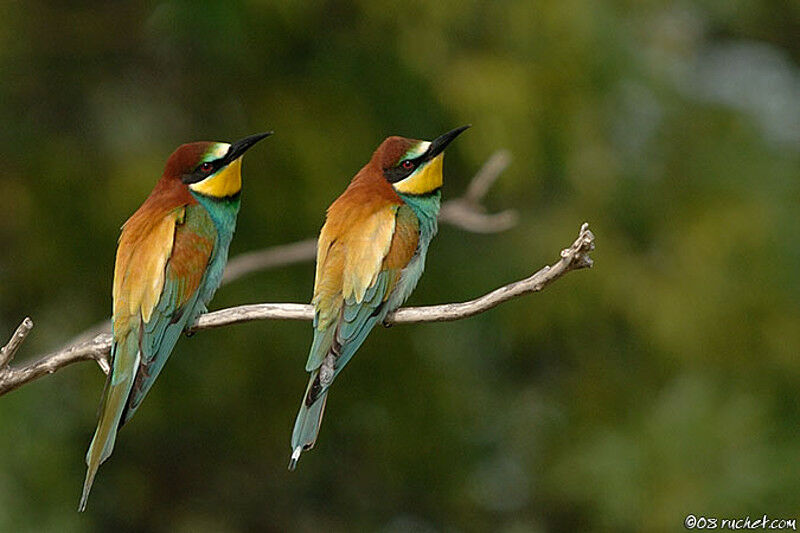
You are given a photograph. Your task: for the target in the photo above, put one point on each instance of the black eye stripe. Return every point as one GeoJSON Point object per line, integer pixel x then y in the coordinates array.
{"type": "Point", "coordinates": [198, 174]}
{"type": "Point", "coordinates": [215, 165]}
{"type": "Point", "coordinates": [398, 172]}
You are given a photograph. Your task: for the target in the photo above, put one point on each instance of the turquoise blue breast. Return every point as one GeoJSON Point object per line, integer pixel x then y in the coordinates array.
{"type": "Point", "coordinates": [223, 213]}
{"type": "Point", "coordinates": [427, 210]}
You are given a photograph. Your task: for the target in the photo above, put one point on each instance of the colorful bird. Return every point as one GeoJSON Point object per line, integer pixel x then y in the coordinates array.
{"type": "Point", "coordinates": [170, 259]}
{"type": "Point", "coordinates": [370, 255]}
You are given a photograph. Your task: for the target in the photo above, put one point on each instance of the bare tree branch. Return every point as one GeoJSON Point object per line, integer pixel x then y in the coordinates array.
{"type": "Point", "coordinates": [487, 175]}
{"type": "Point", "coordinates": [274, 256]}
{"type": "Point", "coordinates": [467, 212]}
{"type": "Point", "coordinates": [573, 258]}
{"type": "Point", "coordinates": [7, 352]}
{"type": "Point", "coordinates": [94, 350]}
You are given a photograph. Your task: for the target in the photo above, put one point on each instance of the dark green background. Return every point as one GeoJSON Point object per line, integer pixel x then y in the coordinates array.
{"type": "Point", "coordinates": [660, 383]}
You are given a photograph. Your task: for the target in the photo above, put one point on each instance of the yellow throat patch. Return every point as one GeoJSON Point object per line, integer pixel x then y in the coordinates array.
{"type": "Point", "coordinates": [226, 182]}
{"type": "Point", "coordinates": [424, 180]}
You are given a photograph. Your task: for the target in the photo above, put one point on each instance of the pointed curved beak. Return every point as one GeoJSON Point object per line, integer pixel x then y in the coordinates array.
{"type": "Point", "coordinates": [238, 148]}
{"type": "Point", "coordinates": [440, 143]}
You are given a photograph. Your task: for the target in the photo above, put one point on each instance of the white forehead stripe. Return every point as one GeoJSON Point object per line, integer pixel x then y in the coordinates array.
{"type": "Point", "coordinates": [417, 150]}
{"type": "Point", "coordinates": [219, 150]}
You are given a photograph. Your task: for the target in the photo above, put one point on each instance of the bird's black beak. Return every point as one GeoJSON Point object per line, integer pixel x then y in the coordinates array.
{"type": "Point", "coordinates": [440, 143]}
{"type": "Point", "coordinates": [238, 148]}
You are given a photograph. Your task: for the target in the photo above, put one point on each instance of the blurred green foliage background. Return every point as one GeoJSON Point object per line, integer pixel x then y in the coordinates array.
{"type": "Point", "coordinates": [660, 383]}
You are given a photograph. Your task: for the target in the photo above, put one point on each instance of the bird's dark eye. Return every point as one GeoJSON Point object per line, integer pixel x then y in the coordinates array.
{"type": "Point", "coordinates": [407, 164]}
{"type": "Point", "coordinates": [206, 167]}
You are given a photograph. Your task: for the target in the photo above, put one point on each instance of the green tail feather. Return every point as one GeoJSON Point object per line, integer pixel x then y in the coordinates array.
{"type": "Point", "coordinates": [125, 362]}
{"type": "Point", "coordinates": [306, 427]}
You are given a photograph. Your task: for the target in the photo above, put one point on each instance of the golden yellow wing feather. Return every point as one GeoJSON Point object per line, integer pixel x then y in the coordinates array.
{"type": "Point", "coordinates": [137, 288]}
{"type": "Point", "coordinates": [349, 258]}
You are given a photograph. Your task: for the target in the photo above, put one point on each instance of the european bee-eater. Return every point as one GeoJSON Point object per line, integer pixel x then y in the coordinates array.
{"type": "Point", "coordinates": [170, 259]}
{"type": "Point", "coordinates": [370, 255]}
